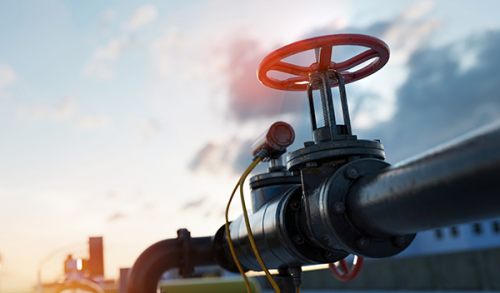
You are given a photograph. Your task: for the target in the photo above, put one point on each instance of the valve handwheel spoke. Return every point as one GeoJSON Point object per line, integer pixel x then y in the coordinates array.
{"type": "Point", "coordinates": [325, 58]}
{"type": "Point", "coordinates": [342, 272]}
{"type": "Point", "coordinates": [377, 51]}
{"type": "Point", "coordinates": [344, 267]}
{"type": "Point", "coordinates": [290, 68]}
{"type": "Point", "coordinates": [295, 80]}
{"type": "Point", "coordinates": [355, 61]}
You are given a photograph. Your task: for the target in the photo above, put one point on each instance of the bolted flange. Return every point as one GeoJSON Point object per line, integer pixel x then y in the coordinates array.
{"type": "Point", "coordinates": [329, 215]}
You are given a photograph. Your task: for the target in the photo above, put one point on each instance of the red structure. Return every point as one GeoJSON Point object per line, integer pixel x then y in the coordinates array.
{"type": "Point", "coordinates": [96, 258]}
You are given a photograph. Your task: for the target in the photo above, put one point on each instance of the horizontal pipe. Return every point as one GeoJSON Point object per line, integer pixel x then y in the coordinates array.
{"type": "Point", "coordinates": [456, 183]}
{"type": "Point", "coordinates": [163, 256]}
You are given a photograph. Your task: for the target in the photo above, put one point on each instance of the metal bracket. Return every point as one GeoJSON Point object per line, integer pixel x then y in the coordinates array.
{"type": "Point", "coordinates": [186, 267]}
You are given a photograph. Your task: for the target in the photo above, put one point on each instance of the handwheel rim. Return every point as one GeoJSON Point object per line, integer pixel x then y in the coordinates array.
{"type": "Point", "coordinates": [377, 50]}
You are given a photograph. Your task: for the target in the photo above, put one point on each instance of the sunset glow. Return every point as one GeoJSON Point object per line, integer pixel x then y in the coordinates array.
{"type": "Point", "coordinates": [130, 120]}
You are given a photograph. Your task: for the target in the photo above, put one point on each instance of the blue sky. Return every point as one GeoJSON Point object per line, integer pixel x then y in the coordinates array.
{"type": "Point", "coordinates": [122, 118]}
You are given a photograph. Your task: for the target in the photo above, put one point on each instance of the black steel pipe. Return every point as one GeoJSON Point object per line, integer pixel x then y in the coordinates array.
{"type": "Point", "coordinates": [453, 184]}
{"type": "Point", "coordinates": [165, 255]}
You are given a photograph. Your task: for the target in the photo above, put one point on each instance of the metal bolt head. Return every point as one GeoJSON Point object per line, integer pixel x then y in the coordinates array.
{"type": "Point", "coordinates": [352, 173]}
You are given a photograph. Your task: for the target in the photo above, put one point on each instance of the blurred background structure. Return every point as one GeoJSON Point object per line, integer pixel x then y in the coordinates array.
{"type": "Point", "coordinates": [130, 119]}
{"type": "Point", "coordinates": [79, 274]}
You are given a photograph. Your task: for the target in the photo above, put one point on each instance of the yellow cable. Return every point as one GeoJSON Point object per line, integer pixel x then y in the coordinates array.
{"type": "Point", "coordinates": [230, 242]}
{"type": "Point", "coordinates": [249, 229]}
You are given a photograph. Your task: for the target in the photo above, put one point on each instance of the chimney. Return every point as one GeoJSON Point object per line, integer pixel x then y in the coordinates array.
{"type": "Point", "coordinates": [96, 258]}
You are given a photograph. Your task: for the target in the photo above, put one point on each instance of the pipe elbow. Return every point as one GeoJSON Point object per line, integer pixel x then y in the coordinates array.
{"type": "Point", "coordinates": [151, 264]}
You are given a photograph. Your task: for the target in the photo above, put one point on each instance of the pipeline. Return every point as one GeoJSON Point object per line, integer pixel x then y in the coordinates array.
{"type": "Point", "coordinates": [452, 184]}
{"type": "Point", "coordinates": [336, 196]}
{"type": "Point", "coordinates": [183, 252]}
{"type": "Point", "coordinates": [387, 204]}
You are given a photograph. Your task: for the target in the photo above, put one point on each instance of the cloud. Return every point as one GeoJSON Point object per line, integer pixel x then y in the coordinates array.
{"type": "Point", "coordinates": [194, 204]}
{"type": "Point", "coordinates": [203, 205]}
{"type": "Point", "coordinates": [102, 62]}
{"type": "Point", "coordinates": [107, 17]}
{"type": "Point", "coordinates": [62, 111]}
{"type": "Point", "coordinates": [94, 122]}
{"type": "Point", "coordinates": [7, 75]}
{"type": "Point", "coordinates": [219, 158]}
{"type": "Point", "coordinates": [440, 100]}
{"type": "Point", "coordinates": [207, 157]}
{"type": "Point", "coordinates": [417, 10]}
{"type": "Point", "coordinates": [248, 100]}
{"type": "Point", "coordinates": [411, 22]}
{"type": "Point", "coordinates": [151, 128]}
{"type": "Point", "coordinates": [165, 51]}
{"type": "Point", "coordinates": [177, 55]}
{"type": "Point", "coordinates": [143, 16]}
{"type": "Point", "coordinates": [115, 217]}
{"type": "Point", "coordinates": [215, 213]}
{"type": "Point", "coordinates": [405, 34]}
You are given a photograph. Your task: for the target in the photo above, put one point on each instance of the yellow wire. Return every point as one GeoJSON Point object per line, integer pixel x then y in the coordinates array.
{"type": "Point", "coordinates": [249, 229]}
{"type": "Point", "coordinates": [230, 242]}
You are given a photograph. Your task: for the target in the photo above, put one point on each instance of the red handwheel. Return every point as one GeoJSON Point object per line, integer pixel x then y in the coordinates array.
{"type": "Point", "coordinates": [341, 271]}
{"type": "Point", "coordinates": [377, 50]}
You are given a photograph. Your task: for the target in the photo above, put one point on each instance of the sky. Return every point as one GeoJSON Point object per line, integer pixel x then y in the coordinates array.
{"type": "Point", "coordinates": [131, 119]}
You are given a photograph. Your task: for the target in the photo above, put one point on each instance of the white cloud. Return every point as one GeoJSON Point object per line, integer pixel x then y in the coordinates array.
{"type": "Point", "coordinates": [177, 54]}
{"type": "Point", "coordinates": [101, 64]}
{"type": "Point", "coordinates": [151, 128]}
{"type": "Point", "coordinates": [143, 16]}
{"type": "Point", "coordinates": [219, 158]}
{"type": "Point", "coordinates": [166, 50]}
{"type": "Point", "coordinates": [102, 61]}
{"type": "Point", "coordinates": [107, 18]}
{"type": "Point", "coordinates": [62, 111]}
{"type": "Point", "coordinates": [407, 33]}
{"type": "Point", "coordinates": [418, 10]}
{"type": "Point", "coordinates": [7, 75]}
{"type": "Point", "coordinates": [94, 122]}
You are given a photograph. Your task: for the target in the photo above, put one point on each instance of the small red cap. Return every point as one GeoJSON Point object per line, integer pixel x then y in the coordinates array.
{"type": "Point", "coordinates": [281, 135]}
{"type": "Point", "coordinates": [276, 139]}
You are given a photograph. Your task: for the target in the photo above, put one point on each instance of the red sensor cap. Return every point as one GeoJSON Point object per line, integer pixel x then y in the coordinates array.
{"type": "Point", "coordinates": [275, 140]}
